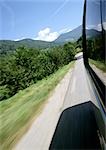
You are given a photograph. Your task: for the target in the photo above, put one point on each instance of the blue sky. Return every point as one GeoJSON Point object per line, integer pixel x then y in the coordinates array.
{"type": "Point", "coordinates": [38, 19]}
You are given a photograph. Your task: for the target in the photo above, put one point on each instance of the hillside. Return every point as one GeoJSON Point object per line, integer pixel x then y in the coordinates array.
{"type": "Point", "coordinates": [34, 43]}
{"type": "Point", "coordinates": [70, 36]}
{"type": "Point", "coordinates": [74, 35]}
{"type": "Point", "coordinates": [21, 109]}
{"type": "Point", "coordinates": [8, 45]}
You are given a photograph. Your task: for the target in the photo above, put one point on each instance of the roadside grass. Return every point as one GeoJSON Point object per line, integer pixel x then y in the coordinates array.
{"type": "Point", "coordinates": [18, 112]}
{"type": "Point", "coordinates": [98, 64]}
{"type": "Point", "coordinates": [79, 50]}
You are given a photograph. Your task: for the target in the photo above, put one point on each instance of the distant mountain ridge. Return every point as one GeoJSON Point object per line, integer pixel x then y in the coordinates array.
{"type": "Point", "coordinates": [74, 35]}
{"type": "Point", "coordinates": [70, 36]}
{"type": "Point", "coordinates": [9, 45]}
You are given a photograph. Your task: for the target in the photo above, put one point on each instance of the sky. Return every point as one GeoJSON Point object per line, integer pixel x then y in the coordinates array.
{"type": "Point", "coordinates": [39, 19]}
{"type": "Point", "coordinates": [93, 16]}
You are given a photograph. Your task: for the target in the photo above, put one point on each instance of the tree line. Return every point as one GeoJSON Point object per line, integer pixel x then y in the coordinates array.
{"type": "Point", "coordinates": [28, 65]}
{"type": "Point", "coordinates": [95, 48]}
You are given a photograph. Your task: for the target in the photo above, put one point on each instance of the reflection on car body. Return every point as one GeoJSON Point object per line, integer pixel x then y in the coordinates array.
{"type": "Point", "coordinates": [83, 126]}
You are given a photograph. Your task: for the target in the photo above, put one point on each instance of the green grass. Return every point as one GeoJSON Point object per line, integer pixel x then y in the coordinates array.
{"type": "Point", "coordinates": [98, 64]}
{"type": "Point", "coordinates": [18, 112]}
{"type": "Point", "coordinates": [79, 50]}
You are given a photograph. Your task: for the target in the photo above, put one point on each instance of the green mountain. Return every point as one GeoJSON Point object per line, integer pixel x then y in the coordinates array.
{"type": "Point", "coordinates": [74, 35]}
{"type": "Point", "coordinates": [9, 46]}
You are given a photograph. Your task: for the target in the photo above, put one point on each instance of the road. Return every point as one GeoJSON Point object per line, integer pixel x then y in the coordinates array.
{"type": "Point", "coordinates": [74, 89]}
{"type": "Point", "coordinates": [80, 89]}
{"type": "Point", "coordinates": [40, 133]}
{"type": "Point", "coordinates": [77, 127]}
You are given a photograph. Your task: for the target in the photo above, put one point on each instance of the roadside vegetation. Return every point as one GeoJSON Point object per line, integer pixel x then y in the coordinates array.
{"type": "Point", "coordinates": [28, 76]}
{"type": "Point", "coordinates": [26, 66]}
{"type": "Point", "coordinates": [96, 51]}
{"type": "Point", "coordinates": [98, 64]}
{"type": "Point", "coordinates": [17, 112]}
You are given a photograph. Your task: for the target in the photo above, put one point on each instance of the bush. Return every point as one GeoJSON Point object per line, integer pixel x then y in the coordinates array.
{"type": "Point", "coordinates": [4, 92]}
{"type": "Point", "coordinates": [26, 66]}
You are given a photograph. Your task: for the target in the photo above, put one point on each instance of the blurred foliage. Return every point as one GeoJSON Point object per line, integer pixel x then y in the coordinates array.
{"type": "Point", "coordinates": [26, 66]}
{"type": "Point", "coordinates": [96, 49]}
{"type": "Point", "coordinates": [98, 64]}
{"type": "Point", "coordinates": [18, 112]}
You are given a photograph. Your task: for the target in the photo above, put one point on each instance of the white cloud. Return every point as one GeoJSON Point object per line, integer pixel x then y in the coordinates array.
{"type": "Point", "coordinates": [47, 35]}
{"type": "Point", "coordinates": [97, 27]}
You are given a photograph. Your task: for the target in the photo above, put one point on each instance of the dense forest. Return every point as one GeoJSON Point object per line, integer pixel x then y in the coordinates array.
{"type": "Point", "coordinates": [26, 66]}
{"type": "Point", "coordinates": [8, 46]}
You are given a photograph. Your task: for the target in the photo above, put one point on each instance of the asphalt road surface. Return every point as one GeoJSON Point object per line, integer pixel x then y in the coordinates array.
{"type": "Point", "coordinates": [78, 125]}
{"type": "Point", "coordinates": [74, 89]}
{"type": "Point", "coordinates": [80, 89]}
